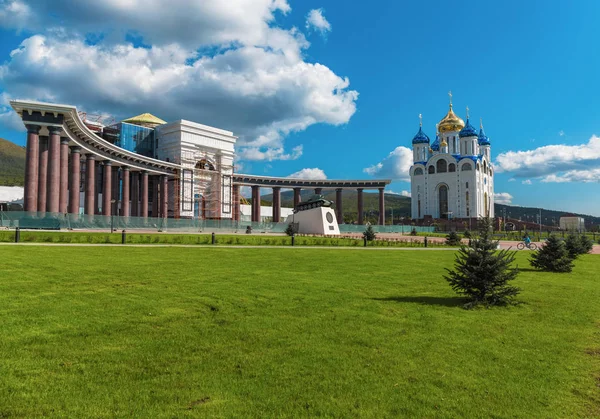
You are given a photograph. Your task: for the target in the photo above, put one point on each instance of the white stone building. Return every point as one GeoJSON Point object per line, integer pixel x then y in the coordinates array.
{"type": "Point", "coordinates": [453, 177]}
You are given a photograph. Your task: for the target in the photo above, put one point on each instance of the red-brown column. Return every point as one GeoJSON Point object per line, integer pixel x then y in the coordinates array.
{"type": "Point", "coordinates": [276, 204]}
{"type": "Point", "coordinates": [360, 206]}
{"type": "Point", "coordinates": [32, 162]}
{"type": "Point", "coordinates": [164, 196]}
{"type": "Point", "coordinates": [107, 188]}
{"type": "Point", "coordinates": [155, 182]}
{"type": "Point", "coordinates": [297, 197]}
{"type": "Point", "coordinates": [64, 175]}
{"type": "Point", "coordinates": [125, 198]}
{"type": "Point", "coordinates": [381, 206]}
{"type": "Point", "coordinates": [42, 175]}
{"type": "Point", "coordinates": [135, 193]}
{"type": "Point", "coordinates": [236, 202]}
{"type": "Point", "coordinates": [144, 208]}
{"type": "Point", "coordinates": [255, 203]}
{"type": "Point", "coordinates": [53, 191]}
{"type": "Point", "coordinates": [339, 209]}
{"type": "Point", "coordinates": [318, 191]}
{"type": "Point", "coordinates": [116, 196]}
{"type": "Point", "coordinates": [75, 180]}
{"type": "Point", "coordinates": [90, 184]}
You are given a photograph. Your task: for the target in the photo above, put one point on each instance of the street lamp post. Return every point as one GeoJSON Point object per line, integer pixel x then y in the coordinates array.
{"type": "Point", "coordinates": [112, 214]}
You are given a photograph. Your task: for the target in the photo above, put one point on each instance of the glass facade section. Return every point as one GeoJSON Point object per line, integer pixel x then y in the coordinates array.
{"type": "Point", "coordinates": [135, 138]}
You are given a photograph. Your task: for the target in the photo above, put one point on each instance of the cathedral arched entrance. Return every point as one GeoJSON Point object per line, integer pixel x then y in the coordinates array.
{"type": "Point", "coordinates": [443, 200]}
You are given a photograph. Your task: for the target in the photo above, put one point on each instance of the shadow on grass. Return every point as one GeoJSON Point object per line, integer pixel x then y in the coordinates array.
{"type": "Point", "coordinates": [434, 301]}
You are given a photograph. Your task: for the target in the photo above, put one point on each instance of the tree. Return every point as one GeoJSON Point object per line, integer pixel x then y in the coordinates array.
{"type": "Point", "coordinates": [467, 234]}
{"type": "Point", "coordinates": [369, 233]}
{"type": "Point", "coordinates": [482, 273]}
{"type": "Point", "coordinates": [453, 239]}
{"type": "Point", "coordinates": [290, 230]}
{"type": "Point", "coordinates": [573, 245]}
{"type": "Point", "coordinates": [553, 256]}
{"type": "Point", "coordinates": [586, 244]}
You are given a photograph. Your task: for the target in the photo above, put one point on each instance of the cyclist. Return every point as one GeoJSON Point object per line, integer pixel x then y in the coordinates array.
{"type": "Point", "coordinates": [526, 239]}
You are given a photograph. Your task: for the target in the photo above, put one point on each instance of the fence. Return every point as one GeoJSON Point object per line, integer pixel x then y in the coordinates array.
{"type": "Point", "coordinates": [55, 221]}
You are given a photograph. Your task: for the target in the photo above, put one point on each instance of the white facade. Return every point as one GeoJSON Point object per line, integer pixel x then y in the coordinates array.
{"type": "Point", "coordinates": [572, 223]}
{"type": "Point", "coordinates": [453, 177]}
{"type": "Point", "coordinates": [204, 186]}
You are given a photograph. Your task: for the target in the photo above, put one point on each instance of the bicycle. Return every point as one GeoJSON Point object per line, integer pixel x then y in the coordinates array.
{"type": "Point", "coordinates": [530, 246]}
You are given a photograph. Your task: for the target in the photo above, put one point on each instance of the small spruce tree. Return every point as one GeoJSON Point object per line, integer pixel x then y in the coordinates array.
{"type": "Point", "coordinates": [573, 245]}
{"type": "Point", "coordinates": [467, 234]}
{"type": "Point", "coordinates": [553, 256]}
{"type": "Point", "coordinates": [453, 239]}
{"type": "Point", "coordinates": [290, 230]}
{"type": "Point", "coordinates": [369, 233]}
{"type": "Point", "coordinates": [482, 273]}
{"type": "Point", "coordinates": [586, 244]}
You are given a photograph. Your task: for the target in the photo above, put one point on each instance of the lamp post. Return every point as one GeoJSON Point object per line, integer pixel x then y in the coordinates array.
{"type": "Point", "coordinates": [112, 214]}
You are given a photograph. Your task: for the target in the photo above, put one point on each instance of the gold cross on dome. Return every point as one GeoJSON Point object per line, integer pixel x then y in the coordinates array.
{"type": "Point", "coordinates": [450, 95]}
{"type": "Point", "coordinates": [420, 120]}
{"type": "Point", "coordinates": [467, 112]}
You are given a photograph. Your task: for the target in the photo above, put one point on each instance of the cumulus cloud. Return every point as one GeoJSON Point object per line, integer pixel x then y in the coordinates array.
{"type": "Point", "coordinates": [227, 65]}
{"type": "Point", "coordinates": [402, 193]}
{"type": "Point", "coordinates": [503, 198]}
{"type": "Point", "coordinates": [585, 176]}
{"type": "Point", "coordinates": [11, 193]}
{"type": "Point", "coordinates": [395, 166]}
{"type": "Point", "coordinates": [309, 174]}
{"type": "Point", "coordinates": [527, 182]}
{"type": "Point", "coordinates": [316, 21]}
{"type": "Point", "coordinates": [551, 160]}
{"type": "Point", "coordinates": [561, 133]}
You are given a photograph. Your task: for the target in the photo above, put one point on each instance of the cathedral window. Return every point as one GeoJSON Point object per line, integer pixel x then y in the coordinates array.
{"type": "Point", "coordinates": [418, 171]}
{"type": "Point", "coordinates": [467, 187]}
{"type": "Point", "coordinates": [442, 166]}
{"type": "Point", "coordinates": [478, 168]}
{"type": "Point", "coordinates": [431, 170]}
{"type": "Point", "coordinates": [452, 167]}
{"type": "Point", "coordinates": [443, 201]}
{"type": "Point", "coordinates": [484, 167]}
{"type": "Point", "coordinates": [466, 167]}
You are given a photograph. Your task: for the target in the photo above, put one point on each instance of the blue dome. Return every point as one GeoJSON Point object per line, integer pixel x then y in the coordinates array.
{"type": "Point", "coordinates": [420, 138]}
{"type": "Point", "coordinates": [482, 138]}
{"type": "Point", "coordinates": [467, 131]}
{"type": "Point", "coordinates": [436, 144]}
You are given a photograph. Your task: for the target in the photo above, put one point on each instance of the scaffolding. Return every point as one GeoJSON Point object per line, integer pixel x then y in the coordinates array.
{"type": "Point", "coordinates": [203, 187]}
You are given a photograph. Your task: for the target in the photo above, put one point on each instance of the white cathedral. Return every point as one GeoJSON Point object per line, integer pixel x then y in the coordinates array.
{"type": "Point", "coordinates": [453, 177]}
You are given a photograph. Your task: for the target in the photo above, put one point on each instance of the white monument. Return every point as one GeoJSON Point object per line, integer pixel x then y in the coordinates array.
{"type": "Point", "coordinates": [319, 220]}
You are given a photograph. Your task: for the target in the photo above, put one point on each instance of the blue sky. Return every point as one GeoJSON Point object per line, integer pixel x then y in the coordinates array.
{"type": "Point", "coordinates": [337, 91]}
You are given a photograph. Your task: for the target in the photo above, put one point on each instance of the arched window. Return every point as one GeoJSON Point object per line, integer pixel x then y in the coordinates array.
{"type": "Point", "coordinates": [466, 185]}
{"type": "Point", "coordinates": [442, 166]}
{"type": "Point", "coordinates": [418, 171]}
{"type": "Point", "coordinates": [443, 200]}
{"type": "Point", "coordinates": [466, 167]}
{"type": "Point", "coordinates": [484, 167]}
{"type": "Point", "coordinates": [487, 210]}
{"type": "Point", "coordinates": [204, 165]}
{"type": "Point", "coordinates": [478, 168]}
{"type": "Point", "coordinates": [467, 202]}
{"type": "Point", "coordinates": [452, 167]}
{"type": "Point", "coordinates": [491, 173]}
{"type": "Point", "coordinates": [419, 205]}
{"type": "Point", "coordinates": [431, 170]}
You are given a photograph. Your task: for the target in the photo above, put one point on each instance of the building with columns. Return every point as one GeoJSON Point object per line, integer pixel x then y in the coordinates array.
{"type": "Point", "coordinates": [145, 167]}
{"type": "Point", "coordinates": [452, 177]}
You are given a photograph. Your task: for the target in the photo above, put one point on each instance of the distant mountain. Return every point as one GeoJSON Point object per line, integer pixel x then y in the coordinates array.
{"type": "Point", "coordinates": [12, 164]}
{"type": "Point", "coordinates": [400, 207]}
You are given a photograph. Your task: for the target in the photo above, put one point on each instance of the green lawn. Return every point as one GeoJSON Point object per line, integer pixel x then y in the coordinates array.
{"type": "Point", "coordinates": [176, 332]}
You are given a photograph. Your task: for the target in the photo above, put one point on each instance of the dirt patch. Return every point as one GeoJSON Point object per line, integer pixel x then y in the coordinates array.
{"type": "Point", "coordinates": [198, 402]}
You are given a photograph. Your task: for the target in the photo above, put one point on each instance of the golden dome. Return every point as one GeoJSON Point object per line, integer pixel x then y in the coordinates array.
{"type": "Point", "coordinates": [451, 122]}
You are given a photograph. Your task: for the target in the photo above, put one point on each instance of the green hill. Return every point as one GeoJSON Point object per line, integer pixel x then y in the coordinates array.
{"type": "Point", "coordinates": [12, 164]}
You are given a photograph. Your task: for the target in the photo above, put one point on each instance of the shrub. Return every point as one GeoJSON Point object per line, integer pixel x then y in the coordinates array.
{"type": "Point", "coordinates": [413, 232]}
{"type": "Point", "coordinates": [573, 245]}
{"type": "Point", "coordinates": [453, 239]}
{"type": "Point", "coordinates": [481, 273]}
{"type": "Point", "coordinates": [586, 244]}
{"type": "Point", "coordinates": [553, 256]}
{"type": "Point", "coordinates": [467, 234]}
{"type": "Point", "coordinates": [289, 230]}
{"type": "Point", "coordinates": [369, 233]}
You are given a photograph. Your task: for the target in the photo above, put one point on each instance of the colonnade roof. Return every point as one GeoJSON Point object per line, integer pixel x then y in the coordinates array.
{"type": "Point", "coordinates": [269, 181]}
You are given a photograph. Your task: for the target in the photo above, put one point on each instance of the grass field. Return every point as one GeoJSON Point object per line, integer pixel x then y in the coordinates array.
{"type": "Point", "coordinates": [177, 332]}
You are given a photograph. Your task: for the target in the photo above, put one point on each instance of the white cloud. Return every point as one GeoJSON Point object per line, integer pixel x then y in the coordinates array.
{"type": "Point", "coordinates": [512, 179]}
{"type": "Point", "coordinates": [316, 21]}
{"type": "Point", "coordinates": [585, 176]}
{"type": "Point", "coordinates": [526, 182]}
{"type": "Point", "coordinates": [227, 65]}
{"type": "Point", "coordinates": [11, 193]}
{"type": "Point", "coordinates": [395, 166]}
{"type": "Point", "coordinates": [402, 193]}
{"type": "Point", "coordinates": [561, 133]}
{"type": "Point", "coordinates": [551, 160]}
{"type": "Point", "coordinates": [503, 198]}
{"type": "Point", "coordinates": [309, 174]}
